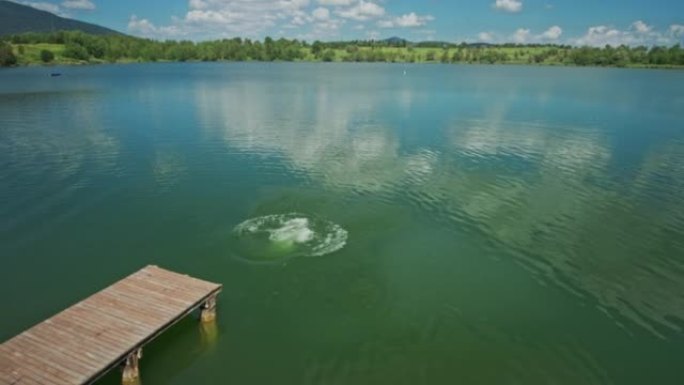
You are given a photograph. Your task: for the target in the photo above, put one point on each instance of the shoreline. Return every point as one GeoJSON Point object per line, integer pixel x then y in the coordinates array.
{"type": "Point", "coordinates": [128, 62]}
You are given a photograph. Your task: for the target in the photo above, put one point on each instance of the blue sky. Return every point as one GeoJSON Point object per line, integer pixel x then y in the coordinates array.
{"type": "Point", "coordinates": [577, 22]}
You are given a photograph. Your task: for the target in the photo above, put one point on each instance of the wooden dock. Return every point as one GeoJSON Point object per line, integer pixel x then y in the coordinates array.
{"type": "Point", "coordinates": [106, 330]}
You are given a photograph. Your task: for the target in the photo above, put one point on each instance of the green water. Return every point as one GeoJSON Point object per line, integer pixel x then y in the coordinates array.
{"type": "Point", "coordinates": [505, 225]}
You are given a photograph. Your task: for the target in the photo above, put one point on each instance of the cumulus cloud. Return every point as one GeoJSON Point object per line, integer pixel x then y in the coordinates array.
{"type": "Point", "coordinates": [409, 20]}
{"type": "Point", "coordinates": [512, 6]}
{"type": "Point", "coordinates": [552, 33]}
{"type": "Point", "coordinates": [641, 27]}
{"type": "Point", "coordinates": [521, 35]}
{"type": "Point", "coordinates": [485, 37]}
{"type": "Point", "coordinates": [638, 33]}
{"type": "Point", "coordinates": [321, 14]}
{"type": "Point", "coordinates": [224, 18]}
{"type": "Point", "coordinates": [79, 4]}
{"type": "Point", "coordinates": [147, 28]}
{"type": "Point", "coordinates": [602, 35]}
{"type": "Point", "coordinates": [677, 30]}
{"type": "Point", "coordinates": [205, 19]}
{"type": "Point", "coordinates": [142, 26]}
{"type": "Point", "coordinates": [336, 2]}
{"type": "Point", "coordinates": [361, 11]}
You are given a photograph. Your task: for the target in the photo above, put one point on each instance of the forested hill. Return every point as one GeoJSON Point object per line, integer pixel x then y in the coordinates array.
{"type": "Point", "coordinates": [17, 18]}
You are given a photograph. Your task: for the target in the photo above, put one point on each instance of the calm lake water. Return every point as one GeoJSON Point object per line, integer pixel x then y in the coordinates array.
{"type": "Point", "coordinates": [504, 225]}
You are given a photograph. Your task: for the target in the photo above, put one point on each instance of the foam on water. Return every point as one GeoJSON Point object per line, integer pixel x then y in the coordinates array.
{"type": "Point", "coordinates": [294, 230]}
{"type": "Point", "coordinates": [284, 236]}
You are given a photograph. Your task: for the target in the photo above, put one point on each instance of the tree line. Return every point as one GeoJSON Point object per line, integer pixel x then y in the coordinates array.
{"type": "Point", "coordinates": [81, 47]}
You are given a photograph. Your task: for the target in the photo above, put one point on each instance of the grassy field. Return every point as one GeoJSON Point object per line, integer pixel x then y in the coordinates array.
{"type": "Point", "coordinates": [28, 54]}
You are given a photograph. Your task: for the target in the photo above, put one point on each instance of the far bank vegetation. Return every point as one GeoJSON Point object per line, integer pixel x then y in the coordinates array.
{"type": "Point", "coordinates": [73, 47]}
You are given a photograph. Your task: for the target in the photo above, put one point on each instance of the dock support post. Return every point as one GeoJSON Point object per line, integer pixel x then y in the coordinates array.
{"type": "Point", "coordinates": [209, 310]}
{"type": "Point", "coordinates": [131, 370]}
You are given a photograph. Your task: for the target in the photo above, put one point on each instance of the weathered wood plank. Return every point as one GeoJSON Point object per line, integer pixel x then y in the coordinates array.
{"type": "Point", "coordinates": [165, 299]}
{"type": "Point", "coordinates": [99, 337]}
{"type": "Point", "coordinates": [34, 361]}
{"type": "Point", "coordinates": [81, 343]}
{"type": "Point", "coordinates": [161, 300]}
{"type": "Point", "coordinates": [62, 348]}
{"type": "Point", "coordinates": [166, 289]}
{"type": "Point", "coordinates": [30, 372]}
{"type": "Point", "coordinates": [180, 281]}
{"type": "Point", "coordinates": [138, 308]}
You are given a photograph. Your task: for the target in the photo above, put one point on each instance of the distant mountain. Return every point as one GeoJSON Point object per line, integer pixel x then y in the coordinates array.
{"type": "Point", "coordinates": [395, 41]}
{"type": "Point", "coordinates": [17, 18]}
{"type": "Point", "coordinates": [480, 45]}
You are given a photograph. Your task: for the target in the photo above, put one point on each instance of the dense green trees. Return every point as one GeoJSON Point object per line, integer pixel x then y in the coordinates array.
{"type": "Point", "coordinates": [7, 57]}
{"type": "Point", "coordinates": [76, 51]}
{"type": "Point", "coordinates": [113, 48]}
{"type": "Point", "coordinates": [46, 56]}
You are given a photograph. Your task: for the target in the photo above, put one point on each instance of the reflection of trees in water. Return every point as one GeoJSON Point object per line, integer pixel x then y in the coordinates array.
{"type": "Point", "coordinates": [546, 193]}
{"type": "Point", "coordinates": [59, 147]}
{"type": "Point", "coordinates": [46, 162]}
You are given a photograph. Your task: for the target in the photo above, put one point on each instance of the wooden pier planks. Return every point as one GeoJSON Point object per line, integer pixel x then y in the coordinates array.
{"type": "Point", "coordinates": [83, 342]}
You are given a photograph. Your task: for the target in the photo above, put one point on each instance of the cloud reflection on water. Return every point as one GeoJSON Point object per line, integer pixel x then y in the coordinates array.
{"type": "Point", "coordinates": [545, 192]}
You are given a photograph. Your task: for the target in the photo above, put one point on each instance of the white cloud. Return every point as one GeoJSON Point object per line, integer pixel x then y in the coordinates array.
{"type": "Point", "coordinates": [638, 33]}
{"type": "Point", "coordinates": [313, 19]}
{"type": "Point", "coordinates": [147, 28]}
{"type": "Point", "coordinates": [641, 27]}
{"type": "Point", "coordinates": [521, 35]}
{"type": "Point", "coordinates": [210, 19]}
{"type": "Point", "coordinates": [409, 20]}
{"type": "Point", "coordinates": [336, 2]}
{"type": "Point", "coordinates": [552, 33]}
{"type": "Point", "coordinates": [363, 10]}
{"type": "Point", "coordinates": [321, 13]}
{"type": "Point", "coordinates": [677, 30]}
{"type": "Point", "coordinates": [508, 5]}
{"type": "Point", "coordinates": [601, 35]}
{"type": "Point", "coordinates": [198, 4]}
{"type": "Point", "coordinates": [142, 26]}
{"type": "Point", "coordinates": [227, 18]}
{"type": "Point", "coordinates": [79, 4]}
{"type": "Point", "coordinates": [485, 37]}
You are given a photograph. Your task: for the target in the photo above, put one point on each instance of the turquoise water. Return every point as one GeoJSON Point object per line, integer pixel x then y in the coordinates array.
{"type": "Point", "coordinates": [503, 224]}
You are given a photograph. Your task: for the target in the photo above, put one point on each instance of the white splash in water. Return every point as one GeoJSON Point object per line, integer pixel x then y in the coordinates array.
{"type": "Point", "coordinates": [284, 236]}
{"type": "Point", "coordinates": [295, 230]}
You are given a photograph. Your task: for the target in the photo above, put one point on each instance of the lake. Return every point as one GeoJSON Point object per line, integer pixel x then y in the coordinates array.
{"type": "Point", "coordinates": [472, 224]}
